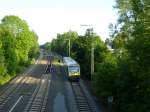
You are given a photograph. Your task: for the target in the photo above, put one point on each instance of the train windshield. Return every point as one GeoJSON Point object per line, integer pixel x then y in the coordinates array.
{"type": "Point", "coordinates": [73, 69]}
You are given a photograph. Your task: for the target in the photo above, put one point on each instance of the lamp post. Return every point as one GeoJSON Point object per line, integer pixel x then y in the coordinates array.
{"type": "Point", "coordinates": [92, 48]}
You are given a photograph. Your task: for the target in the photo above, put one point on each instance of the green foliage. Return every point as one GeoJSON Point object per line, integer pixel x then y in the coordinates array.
{"type": "Point", "coordinates": [131, 45]}
{"type": "Point", "coordinates": [61, 44]}
{"type": "Point", "coordinates": [47, 46]}
{"type": "Point", "coordinates": [9, 53]}
{"type": "Point", "coordinates": [2, 61]}
{"type": "Point", "coordinates": [34, 47]}
{"type": "Point", "coordinates": [105, 78]}
{"type": "Point", "coordinates": [18, 46]}
{"type": "Point", "coordinates": [80, 47]}
{"type": "Point", "coordinates": [4, 79]}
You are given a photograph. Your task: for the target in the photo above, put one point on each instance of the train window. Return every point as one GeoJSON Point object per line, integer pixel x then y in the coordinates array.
{"type": "Point", "coordinates": [73, 68]}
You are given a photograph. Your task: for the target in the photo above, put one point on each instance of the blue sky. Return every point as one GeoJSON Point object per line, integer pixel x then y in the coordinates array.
{"type": "Point", "coordinates": [49, 17]}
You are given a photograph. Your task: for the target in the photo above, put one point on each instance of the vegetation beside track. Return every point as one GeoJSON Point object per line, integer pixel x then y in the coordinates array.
{"type": "Point", "coordinates": [18, 47]}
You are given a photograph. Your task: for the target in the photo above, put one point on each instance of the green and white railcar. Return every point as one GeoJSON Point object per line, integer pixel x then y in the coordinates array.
{"type": "Point", "coordinates": [72, 68]}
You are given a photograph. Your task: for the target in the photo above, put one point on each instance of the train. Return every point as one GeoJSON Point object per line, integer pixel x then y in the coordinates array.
{"type": "Point", "coordinates": [71, 69]}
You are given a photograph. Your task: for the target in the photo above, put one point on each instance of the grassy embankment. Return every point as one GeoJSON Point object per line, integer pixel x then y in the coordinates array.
{"type": "Point", "coordinates": [6, 78]}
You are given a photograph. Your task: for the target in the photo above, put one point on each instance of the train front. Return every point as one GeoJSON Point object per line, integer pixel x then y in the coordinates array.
{"type": "Point", "coordinates": [74, 72]}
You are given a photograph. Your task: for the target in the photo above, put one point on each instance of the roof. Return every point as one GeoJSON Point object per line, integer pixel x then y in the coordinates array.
{"type": "Point", "coordinates": [69, 61]}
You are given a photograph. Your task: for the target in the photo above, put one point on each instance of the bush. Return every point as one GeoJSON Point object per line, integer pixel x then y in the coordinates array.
{"type": "Point", "coordinates": [104, 81]}
{"type": "Point", "coordinates": [4, 79]}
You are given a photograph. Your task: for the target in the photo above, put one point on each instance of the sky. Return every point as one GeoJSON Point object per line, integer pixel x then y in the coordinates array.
{"type": "Point", "coordinates": [49, 17]}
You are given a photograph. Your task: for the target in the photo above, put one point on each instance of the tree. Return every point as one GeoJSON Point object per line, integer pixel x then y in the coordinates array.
{"type": "Point", "coordinates": [9, 52]}
{"type": "Point", "coordinates": [18, 45]}
{"type": "Point", "coordinates": [61, 44]}
{"type": "Point", "coordinates": [3, 69]}
{"type": "Point", "coordinates": [47, 46]}
{"type": "Point", "coordinates": [132, 39]}
{"type": "Point", "coordinates": [25, 40]}
{"type": "Point", "coordinates": [104, 82]}
{"type": "Point", "coordinates": [34, 46]}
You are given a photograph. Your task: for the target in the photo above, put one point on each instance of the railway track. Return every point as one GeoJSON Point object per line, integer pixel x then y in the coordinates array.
{"type": "Point", "coordinates": [14, 84]}
{"type": "Point", "coordinates": [18, 86]}
{"type": "Point", "coordinates": [12, 89]}
{"type": "Point", "coordinates": [84, 104]}
{"type": "Point", "coordinates": [37, 102]}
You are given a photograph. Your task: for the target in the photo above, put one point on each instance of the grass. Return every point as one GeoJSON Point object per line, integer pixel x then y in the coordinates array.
{"type": "Point", "coordinates": [20, 69]}
{"type": "Point", "coordinates": [5, 79]}
{"type": "Point", "coordinates": [8, 77]}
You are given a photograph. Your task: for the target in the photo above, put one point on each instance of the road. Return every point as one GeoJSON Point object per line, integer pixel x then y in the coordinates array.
{"type": "Point", "coordinates": [39, 91]}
